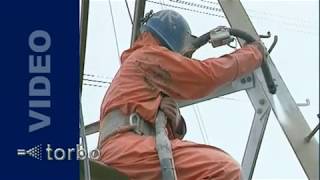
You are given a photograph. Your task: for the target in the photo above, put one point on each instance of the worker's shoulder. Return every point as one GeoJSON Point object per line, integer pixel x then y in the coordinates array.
{"type": "Point", "coordinates": [153, 50]}
{"type": "Point", "coordinates": [150, 53]}
{"type": "Point", "coordinates": [147, 56]}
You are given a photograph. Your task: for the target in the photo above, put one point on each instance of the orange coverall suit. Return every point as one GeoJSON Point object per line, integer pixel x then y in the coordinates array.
{"type": "Point", "coordinates": [147, 71]}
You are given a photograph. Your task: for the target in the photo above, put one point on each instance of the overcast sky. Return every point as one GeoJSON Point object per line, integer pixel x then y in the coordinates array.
{"type": "Point", "coordinates": [227, 120]}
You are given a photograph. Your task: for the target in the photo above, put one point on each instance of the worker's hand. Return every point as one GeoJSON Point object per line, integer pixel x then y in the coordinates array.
{"type": "Point", "coordinates": [175, 120]}
{"type": "Point", "coordinates": [171, 110]}
{"type": "Point", "coordinates": [260, 47]}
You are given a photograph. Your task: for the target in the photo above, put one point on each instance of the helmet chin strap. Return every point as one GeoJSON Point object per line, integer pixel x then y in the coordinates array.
{"type": "Point", "coordinates": [189, 48]}
{"type": "Point", "coordinates": [188, 52]}
{"type": "Point", "coordinates": [147, 16]}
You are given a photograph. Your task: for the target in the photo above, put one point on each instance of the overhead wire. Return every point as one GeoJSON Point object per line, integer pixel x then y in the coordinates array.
{"type": "Point", "coordinates": [262, 12]}
{"type": "Point", "coordinates": [197, 5]}
{"type": "Point", "coordinates": [293, 24]}
{"type": "Point", "coordinates": [129, 13]}
{"type": "Point", "coordinates": [98, 76]}
{"type": "Point", "coordinates": [202, 131]}
{"type": "Point", "coordinates": [94, 85]}
{"type": "Point", "coordinates": [97, 81]}
{"type": "Point", "coordinates": [114, 29]}
{"type": "Point", "coordinates": [186, 9]}
{"type": "Point", "coordinates": [203, 124]}
{"type": "Point", "coordinates": [210, 2]}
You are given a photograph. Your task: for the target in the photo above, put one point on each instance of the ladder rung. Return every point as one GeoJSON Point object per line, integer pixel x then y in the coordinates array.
{"type": "Point", "coordinates": [312, 133]}
{"type": "Point", "coordinates": [91, 128]}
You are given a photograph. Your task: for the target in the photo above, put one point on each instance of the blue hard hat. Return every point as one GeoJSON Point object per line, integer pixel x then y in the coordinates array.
{"type": "Point", "coordinates": [170, 28]}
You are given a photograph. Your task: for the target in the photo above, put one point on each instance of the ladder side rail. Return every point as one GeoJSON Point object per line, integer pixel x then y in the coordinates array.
{"type": "Point", "coordinates": [283, 105]}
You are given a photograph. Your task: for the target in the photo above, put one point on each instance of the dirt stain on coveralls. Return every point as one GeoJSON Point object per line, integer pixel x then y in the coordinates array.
{"type": "Point", "coordinates": [154, 73]}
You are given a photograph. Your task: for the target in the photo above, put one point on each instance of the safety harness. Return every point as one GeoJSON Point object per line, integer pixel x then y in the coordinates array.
{"type": "Point", "coordinates": [116, 122]}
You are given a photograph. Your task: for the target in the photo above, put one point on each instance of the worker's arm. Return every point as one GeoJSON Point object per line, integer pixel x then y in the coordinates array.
{"type": "Point", "coordinates": [191, 79]}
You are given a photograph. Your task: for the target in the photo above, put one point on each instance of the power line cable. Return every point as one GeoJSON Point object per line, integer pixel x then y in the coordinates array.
{"type": "Point", "coordinates": [186, 9]}
{"type": "Point", "coordinates": [264, 13]}
{"type": "Point", "coordinates": [203, 124]}
{"type": "Point", "coordinates": [97, 81]}
{"type": "Point", "coordinates": [128, 9]}
{"type": "Point", "coordinates": [94, 85]}
{"type": "Point", "coordinates": [98, 76]}
{"type": "Point", "coordinates": [196, 5]}
{"type": "Point", "coordinates": [210, 2]}
{"type": "Point", "coordinates": [283, 21]}
{"type": "Point", "coordinates": [114, 29]}
{"type": "Point", "coordinates": [199, 124]}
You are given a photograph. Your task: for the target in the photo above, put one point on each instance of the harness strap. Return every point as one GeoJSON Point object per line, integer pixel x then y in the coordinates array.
{"type": "Point", "coordinates": [115, 122]}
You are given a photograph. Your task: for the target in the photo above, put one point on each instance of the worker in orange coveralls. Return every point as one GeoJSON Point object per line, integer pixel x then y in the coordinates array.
{"type": "Point", "coordinates": [155, 71]}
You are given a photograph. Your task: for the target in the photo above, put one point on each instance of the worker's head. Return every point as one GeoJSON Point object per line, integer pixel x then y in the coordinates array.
{"type": "Point", "coordinates": [170, 28]}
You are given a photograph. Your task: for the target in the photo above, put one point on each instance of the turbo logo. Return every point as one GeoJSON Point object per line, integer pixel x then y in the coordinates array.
{"type": "Point", "coordinates": [58, 153]}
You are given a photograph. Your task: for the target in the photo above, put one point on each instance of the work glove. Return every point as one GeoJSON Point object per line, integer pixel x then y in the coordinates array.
{"type": "Point", "coordinates": [261, 48]}
{"type": "Point", "coordinates": [171, 109]}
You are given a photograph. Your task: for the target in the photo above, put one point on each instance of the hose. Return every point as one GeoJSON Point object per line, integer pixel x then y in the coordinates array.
{"type": "Point", "coordinates": [264, 66]}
